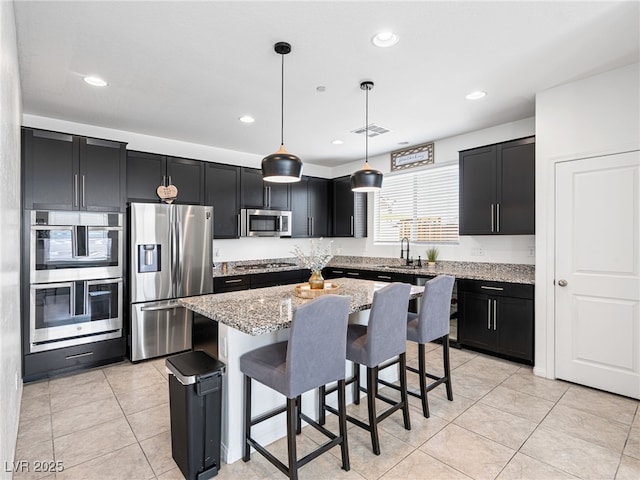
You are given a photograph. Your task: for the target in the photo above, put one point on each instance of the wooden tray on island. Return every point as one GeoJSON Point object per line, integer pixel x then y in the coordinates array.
{"type": "Point", "coordinates": [305, 291]}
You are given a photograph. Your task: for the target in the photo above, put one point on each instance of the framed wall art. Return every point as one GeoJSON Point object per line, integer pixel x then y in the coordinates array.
{"type": "Point", "coordinates": [410, 157]}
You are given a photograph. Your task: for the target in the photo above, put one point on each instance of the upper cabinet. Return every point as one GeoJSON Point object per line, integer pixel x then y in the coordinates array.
{"type": "Point", "coordinates": [147, 171]}
{"type": "Point", "coordinates": [257, 193]}
{"type": "Point", "coordinates": [349, 210]}
{"type": "Point", "coordinates": [222, 191]}
{"type": "Point", "coordinates": [497, 189]}
{"type": "Point", "coordinates": [68, 172]}
{"type": "Point", "coordinates": [310, 207]}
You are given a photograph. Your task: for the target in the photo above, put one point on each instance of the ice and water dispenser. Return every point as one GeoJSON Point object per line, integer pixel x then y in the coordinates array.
{"type": "Point", "coordinates": [149, 258]}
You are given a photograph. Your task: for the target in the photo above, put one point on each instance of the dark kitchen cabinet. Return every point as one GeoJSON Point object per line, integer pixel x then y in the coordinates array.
{"type": "Point", "coordinates": [497, 318]}
{"type": "Point", "coordinates": [272, 279]}
{"type": "Point", "coordinates": [256, 193]}
{"type": "Point", "coordinates": [67, 172]}
{"type": "Point", "coordinates": [147, 171]}
{"type": "Point", "coordinates": [63, 360]}
{"type": "Point", "coordinates": [231, 283]}
{"type": "Point", "coordinates": [310, 207]}
{"type": "Point", "coordinates": [222, 191]}
{"type": "Point", "coordinates": [497, 189]}
{"type": "Point", "coordinates": [349, 210]}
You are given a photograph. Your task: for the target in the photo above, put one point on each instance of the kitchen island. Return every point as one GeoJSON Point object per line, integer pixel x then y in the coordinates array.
{"type": "Point", "coordinates": [252, 318]}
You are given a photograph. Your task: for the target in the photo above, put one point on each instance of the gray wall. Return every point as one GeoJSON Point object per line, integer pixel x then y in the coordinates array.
{"type": "Point", "coordinates": [10, 119]}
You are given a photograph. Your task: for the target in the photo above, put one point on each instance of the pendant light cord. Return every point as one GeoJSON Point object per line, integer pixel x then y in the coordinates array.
{"type": "Point", "coordinates": [282, 103]}
{"type": "Point", "coordinates": [366, 127]}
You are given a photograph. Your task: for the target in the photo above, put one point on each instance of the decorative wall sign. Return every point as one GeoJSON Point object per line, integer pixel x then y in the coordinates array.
{"type": "Point", "coordinates": [412, 157]}
{"type": "Point", "coordinates": [167, 194]}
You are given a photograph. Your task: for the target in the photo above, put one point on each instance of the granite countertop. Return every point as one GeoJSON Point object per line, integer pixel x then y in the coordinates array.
{"type": "Point", "coordinates": [269, 309]}
{"type": "Point", "coordinates": [496, 272]}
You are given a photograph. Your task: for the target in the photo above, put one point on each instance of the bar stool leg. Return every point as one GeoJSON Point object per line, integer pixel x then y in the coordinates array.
{"type": "Point", "coordinates": [322, 415]}
{"type": "Point", "coordinates": [402, 372]}
{"type": "Point", "coordinates": [447, 366]}
{"type": "Point", "coordinates": [292, 424]}
{"type": "Point", "coordinates": [247, 418]}
{"type": "Point", "coordinates": [342, 421]}
{"type": "Point", "coordinates": [372, 381]}
{"type": "Point", "coordinates": [298, 415]}
{"type": "Point", "coordinates": [356, 385]}
{"type": "Point", "coordinates": [422, 373]}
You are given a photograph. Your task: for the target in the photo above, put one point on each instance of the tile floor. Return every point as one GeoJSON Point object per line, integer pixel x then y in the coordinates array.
{"type": "Point", "coordinates": [504, 423]}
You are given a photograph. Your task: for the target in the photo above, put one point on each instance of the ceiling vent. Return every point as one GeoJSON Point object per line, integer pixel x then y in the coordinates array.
{"type": "Point", "coordinates": [374, 130]}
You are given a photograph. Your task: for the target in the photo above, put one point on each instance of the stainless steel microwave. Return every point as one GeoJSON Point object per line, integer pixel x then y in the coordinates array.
{"type": "Point", "coordinates": [265, 223]}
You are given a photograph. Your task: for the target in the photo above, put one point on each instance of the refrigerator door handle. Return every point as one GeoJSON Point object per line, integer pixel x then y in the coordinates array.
{"type": "Point", "coordinates": [168, 306]}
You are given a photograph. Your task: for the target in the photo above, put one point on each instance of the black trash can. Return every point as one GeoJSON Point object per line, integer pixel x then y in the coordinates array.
{"type": "Point", "coordinates": [195, 397]}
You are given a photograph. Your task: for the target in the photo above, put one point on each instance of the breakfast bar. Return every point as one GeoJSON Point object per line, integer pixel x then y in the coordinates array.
{"type": "Point", "coordinates": [252, 318]}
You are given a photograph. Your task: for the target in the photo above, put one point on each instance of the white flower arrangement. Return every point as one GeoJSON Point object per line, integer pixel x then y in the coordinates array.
{"type": "Point", "coordinates": [318, 256]}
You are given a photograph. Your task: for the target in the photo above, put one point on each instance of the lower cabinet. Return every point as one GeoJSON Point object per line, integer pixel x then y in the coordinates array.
{"type": "Point", "coordinates": [497, 317]}
{"type": "Point", "coordinates": [234, 283]}
{"type": "Point", "coordinates": [54, 362]}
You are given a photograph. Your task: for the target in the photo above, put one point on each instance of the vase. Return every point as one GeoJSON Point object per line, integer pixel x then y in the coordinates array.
{"type": "Point", "coordinates": [316, 281]}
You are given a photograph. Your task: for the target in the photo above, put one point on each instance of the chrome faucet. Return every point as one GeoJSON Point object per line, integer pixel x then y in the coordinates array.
{"type": "Point", "coordinates": [402, 250]}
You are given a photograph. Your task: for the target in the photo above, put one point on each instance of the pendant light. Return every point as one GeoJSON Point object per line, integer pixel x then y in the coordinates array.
{"type": "Point", "coordinates": [367, 179]}
{"type": "Point", "coordinates": [282, 166]}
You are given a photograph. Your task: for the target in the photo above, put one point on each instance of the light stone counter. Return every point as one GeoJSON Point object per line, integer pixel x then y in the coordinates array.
{"type": "Point", "coordinates": [264, 310]}
{"type": "Point", "coordinates": [251, 319]}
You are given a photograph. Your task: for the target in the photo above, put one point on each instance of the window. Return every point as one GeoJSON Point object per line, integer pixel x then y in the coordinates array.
{"type": "Point", "coordinates": [422, 206]}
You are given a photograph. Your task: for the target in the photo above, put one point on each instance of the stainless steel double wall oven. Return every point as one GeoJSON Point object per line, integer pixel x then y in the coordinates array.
{"type": "Point", "coordinates": [75, 275]}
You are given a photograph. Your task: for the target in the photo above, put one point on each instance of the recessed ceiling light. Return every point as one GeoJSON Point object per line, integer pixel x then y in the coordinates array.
{"type": "Point", "coordinates": [385, 39]}
{"type": "Point", "coordinates": [475, 95]}
{"type": "Point", "coordinates": [95, 81]}
{"type": "Point", "coordinates": [247, 119]}
{"type": "Point", "coordinates": [337, 142]}
{"type": "Point", "coordinates": [321, 88]}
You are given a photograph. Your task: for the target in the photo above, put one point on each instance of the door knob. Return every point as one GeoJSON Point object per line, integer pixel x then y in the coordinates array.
{"type": "Point", "coordinates": [562, 283]}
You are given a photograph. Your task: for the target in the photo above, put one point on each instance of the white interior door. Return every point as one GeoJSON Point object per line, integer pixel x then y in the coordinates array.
{"type": "Point", "coordinates": [597, 272]}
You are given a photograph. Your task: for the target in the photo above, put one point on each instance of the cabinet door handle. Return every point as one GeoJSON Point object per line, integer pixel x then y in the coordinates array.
{"type": "Point", "coordinates": [338, 271]}
{"type": "Point", "coordinates": [492, 219]}
{"type": "Point", "coordinates": [495, 308]}
{"type": "Point", "coordinates": [489, 314]}
{"type": "Point", "coordinates": [78, 355]}
{"type": "Point", "coordinates": [311, 226]}
{"type": "Point", "coordinates": [83, 198]}
{"type": "Point", "coordinates": [353, 274]}
{"type": "Point", "coordinates": [385, 277]}
{"type": "Point", "coordinates": [486, 287]}
{"type": "Point", "coordinates": [497, 217]}
{"type": "Point", "coordinates": [352, 226]}
{"type": "Point", "coordinates": [237, 280]}
{"type": "Point", "coordinates": [75, 190]}
{"type": "Point", "coordinates": [238, 225]}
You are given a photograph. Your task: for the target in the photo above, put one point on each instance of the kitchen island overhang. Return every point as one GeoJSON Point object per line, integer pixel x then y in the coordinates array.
{"type": "Point", "coordinates": [249, 319]}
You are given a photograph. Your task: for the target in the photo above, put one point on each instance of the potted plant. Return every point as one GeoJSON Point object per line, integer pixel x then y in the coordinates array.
{"type": "Point", "coordinates": [432, 256]}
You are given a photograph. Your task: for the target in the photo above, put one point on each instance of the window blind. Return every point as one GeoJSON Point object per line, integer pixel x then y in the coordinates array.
{"type": "Point", "coordinates": [422, 206]}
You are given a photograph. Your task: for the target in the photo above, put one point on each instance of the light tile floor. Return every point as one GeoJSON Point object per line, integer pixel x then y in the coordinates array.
{"type": "Point", "coordinates": [504, 423]}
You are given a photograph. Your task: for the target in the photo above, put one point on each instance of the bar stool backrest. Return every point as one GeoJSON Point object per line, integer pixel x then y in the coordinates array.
{"type": "Point", "coordinates": [387, 328]}
{"type": "Point", "coordinates": [317, 348]}
{"type": "Point", "coordinates": [433, 318]}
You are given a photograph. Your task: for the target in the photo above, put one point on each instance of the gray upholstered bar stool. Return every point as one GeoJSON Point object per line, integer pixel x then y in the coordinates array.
{"type": "Point", "coordinates": [313, 356]}
{"type": "Point", "coordinates": [429, 324]}
{"type": "Point", "coordinates": [382, 339]}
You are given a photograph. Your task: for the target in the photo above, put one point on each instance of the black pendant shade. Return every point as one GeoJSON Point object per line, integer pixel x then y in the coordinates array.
{"type": "Point", "coordinates": [366, 179]}
{"type": "Point", "coordinates": [281, 166]}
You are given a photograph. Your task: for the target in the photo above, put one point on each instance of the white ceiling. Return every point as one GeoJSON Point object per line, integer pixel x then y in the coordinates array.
{"type": "Point", "coordinates": [187, 70]}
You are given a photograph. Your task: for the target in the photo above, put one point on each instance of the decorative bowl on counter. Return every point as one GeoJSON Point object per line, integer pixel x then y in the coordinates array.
{"type": "Point", "coordinates": [304, 290]}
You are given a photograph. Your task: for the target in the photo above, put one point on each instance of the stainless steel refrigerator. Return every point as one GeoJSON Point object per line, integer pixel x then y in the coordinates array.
{"type": "Point", "coordinates": [170, 257]}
